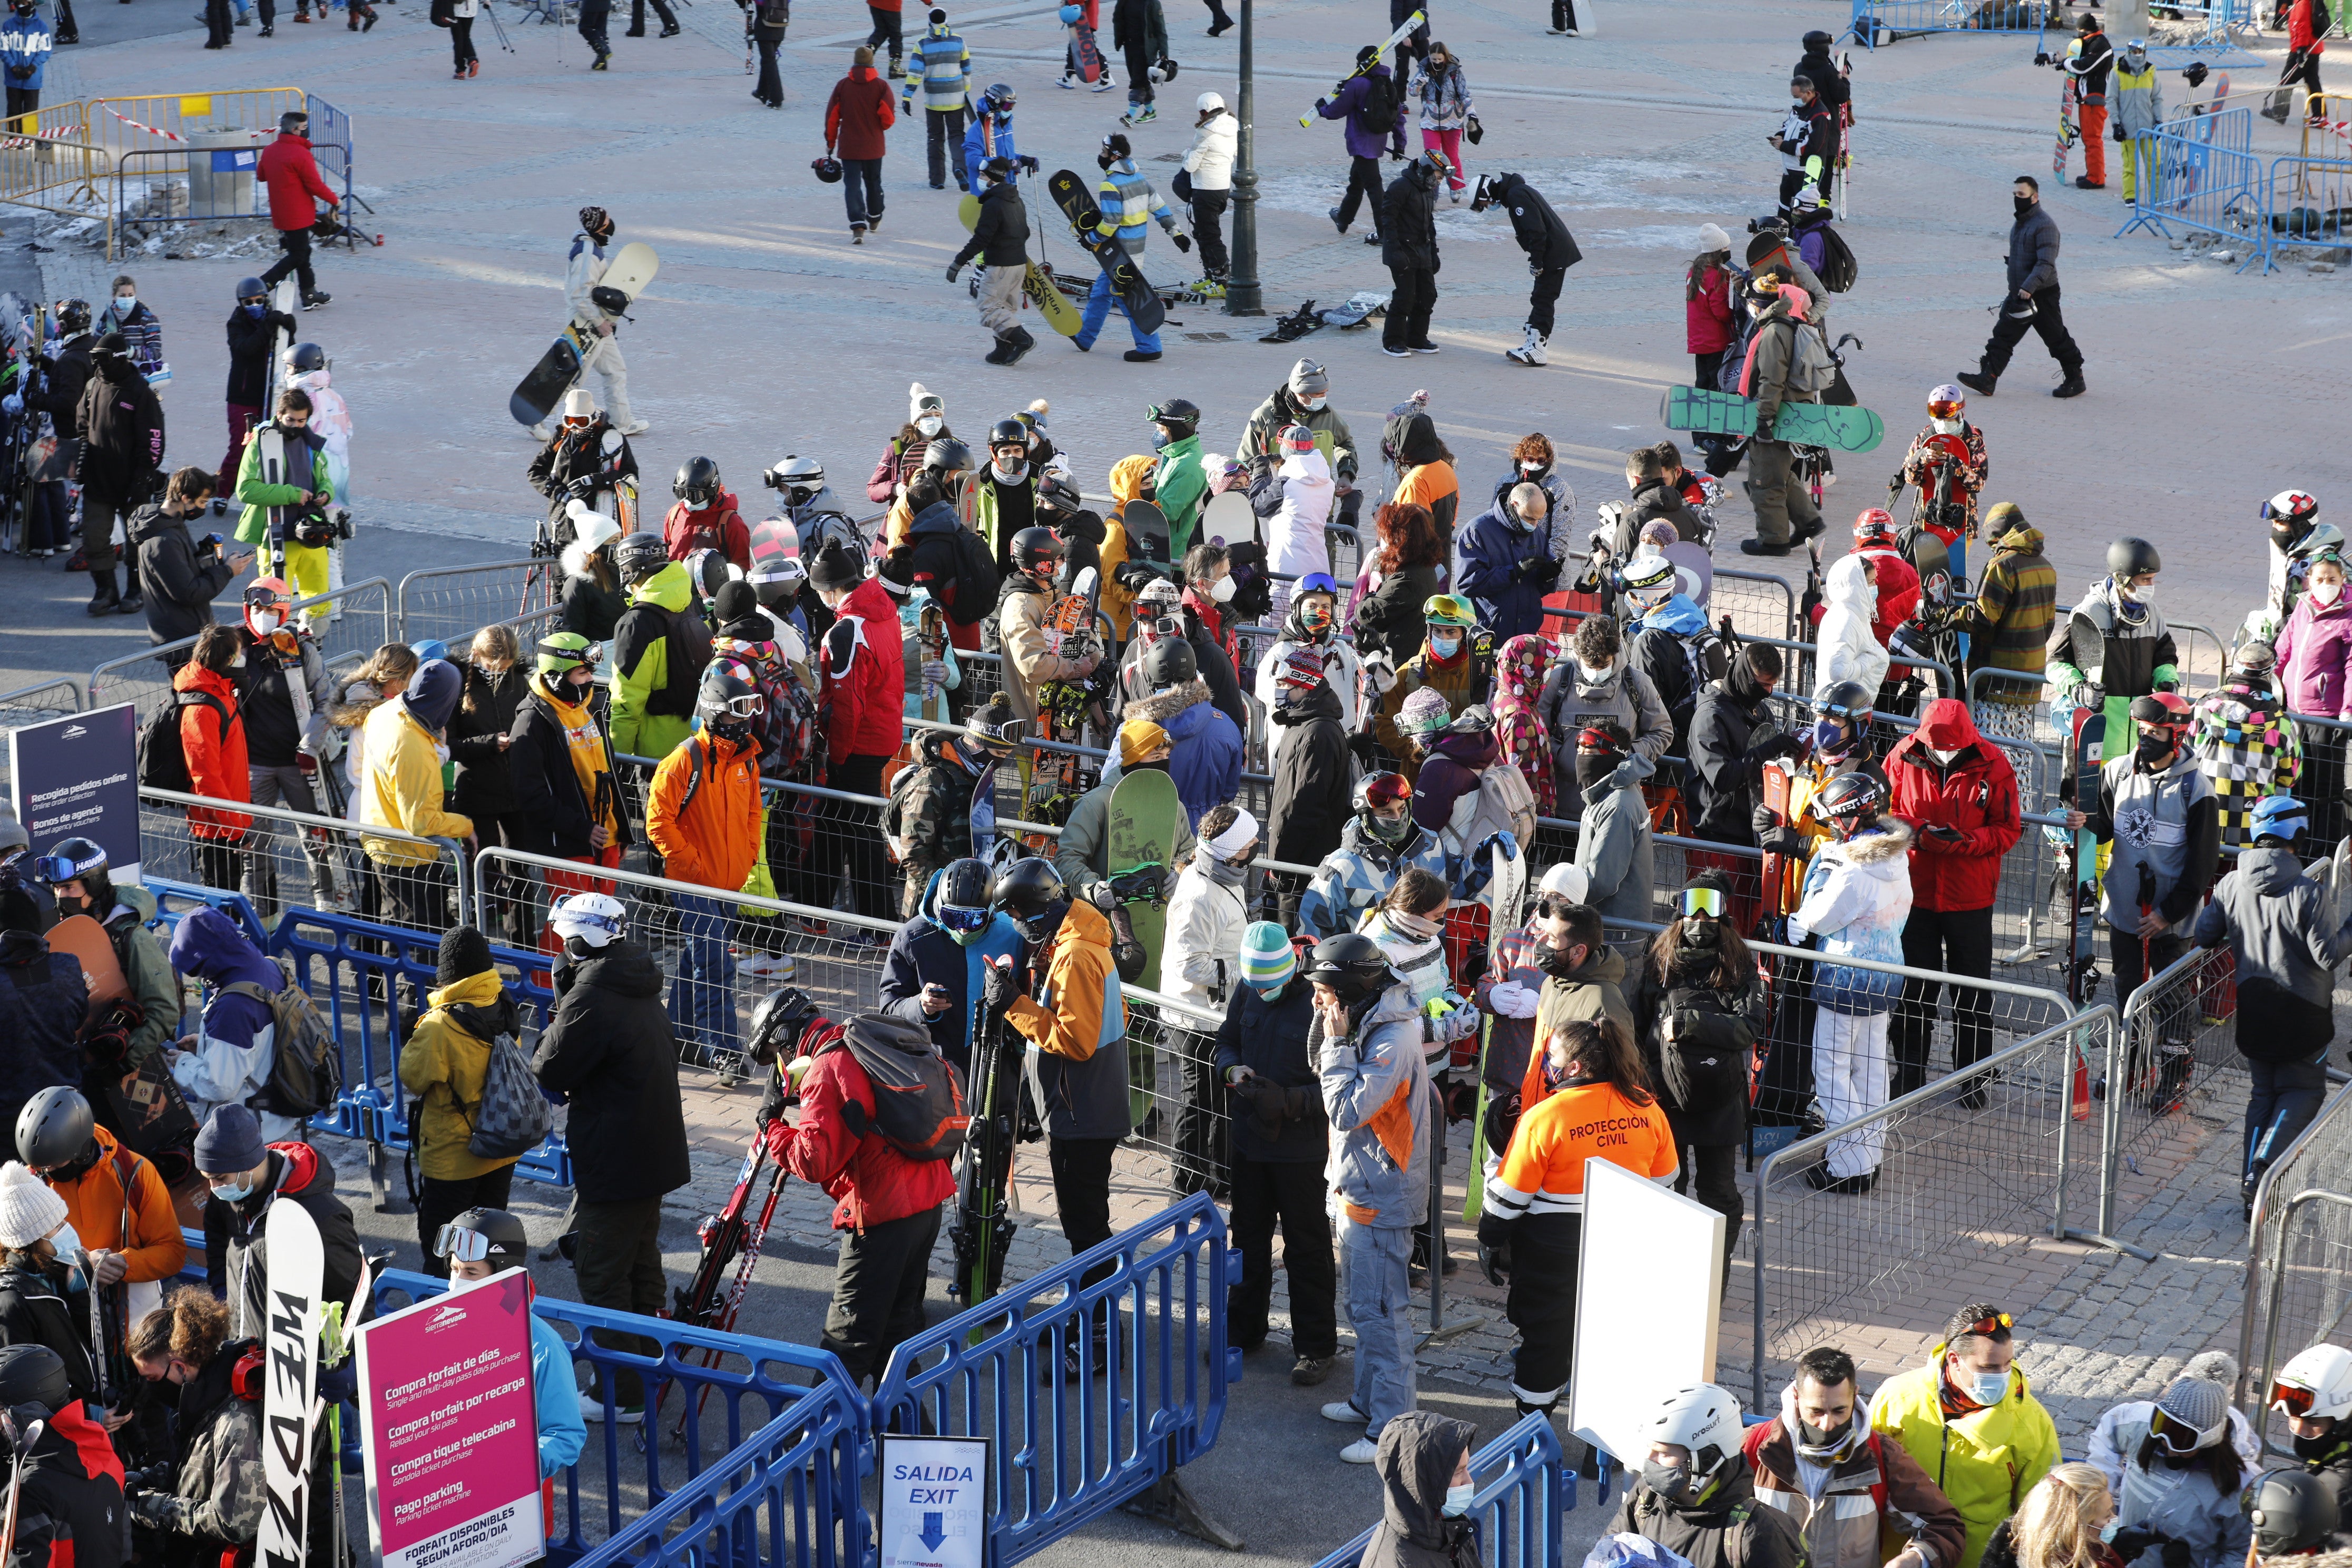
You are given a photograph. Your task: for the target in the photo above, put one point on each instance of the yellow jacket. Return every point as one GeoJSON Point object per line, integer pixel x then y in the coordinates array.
{"type": "Point", "coordinates": [1985, 1461]}
{"type": "Point", "coordinates": [1127, 477]}
{"type": "Point", "coordinates": [403, 787]}
{"type": "Point", "coordinates": [443, 1065]}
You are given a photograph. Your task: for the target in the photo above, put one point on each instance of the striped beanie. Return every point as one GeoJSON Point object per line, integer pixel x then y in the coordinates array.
{"type": "Point", "coordinates": [1268, 961]}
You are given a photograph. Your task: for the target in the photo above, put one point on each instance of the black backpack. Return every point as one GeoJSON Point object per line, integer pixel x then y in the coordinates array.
{"type": "Point", "coordinates": [976, 579]}
{"type": "Point", "coordinates": [919, 1106]}
{"type": "Point", "coordinates": [162, 752]}
{"type": "Point", "coordinates": [2321, 20]}
{"type": "Point", "coordinates": [1703, 1043]}
{"type": "Point", "coordinates": [1839, 269]}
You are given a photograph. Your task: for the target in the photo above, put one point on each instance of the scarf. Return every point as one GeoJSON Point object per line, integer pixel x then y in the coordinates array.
{"type": "Point", "coordinates": [586, 743]}
{"type": "Point", "coordinates": [1419, 927]}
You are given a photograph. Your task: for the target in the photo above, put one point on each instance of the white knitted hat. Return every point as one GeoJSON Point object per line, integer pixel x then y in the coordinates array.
{"type": "Point", "coordinates": [28, 1210]}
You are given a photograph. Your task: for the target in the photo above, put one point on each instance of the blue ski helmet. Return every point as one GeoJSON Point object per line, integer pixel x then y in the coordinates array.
{"type": "Point", "coordinates": [2280, 816]}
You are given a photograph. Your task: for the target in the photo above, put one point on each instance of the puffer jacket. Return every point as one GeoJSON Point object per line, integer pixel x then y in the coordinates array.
{"type": "Point", "coordinates": [1201, 956]}
{"type": "Point", "coordinates": [403, 787]}
{"type": "Point", "coordinates": [553, 742]}
{"type": "Point", "coordinates": [659, 651]}
{"type": "Point", "coordinates": [1615, 848]}
{"type": "Point", "coordinates": [220, 1482]}
{"type": "Point", "coordinates": [443, 1063]}
{"type": "Point", "coordinates": [1847, 649]}
{"type": "Point", "coordinates": [869, 1180]}
{"type": "Point", "coordinates": [1206, 762]}
{"type": "Point", "coordinates": [2315, 657]}
{"type": "Point", "coordinates": [1210, 163]}
{"type": "Point", "coordinates": [1314, 783]}
{"type": "Point", "coordinates": [233, 1053]}
{"type": "Point", "coordinates": [1495, 549]}
{"type": "Point", "coordinates": [864, 670]}
{"type": "Point", "coordinates": [1985, 1461]}
{"type": "Point", "coordinates": [924, 954]}
{"type": "Point", "coordinates": [120, 1205]}
{"type": "Point", "coordinates": [1724, 784]}
{"type": "Point", "coordinates": [1976, 795]}
{"type": "Point", "coordinates": [152, 985]}
{"type": "Point", "coordinates": [1409, 220]}
{"type": "Point", "coordinates": [1444, 97]}
{"type": "Point", "coordinates": [1845, 1523]}
{"type": "Point", "coordinates": [2248, 748]}
{"type": "Point", "coordinates": [1572, 699]}
{"type": "Point", "coordinates": [1293, 502]}
{"type": "Point", "coordinates": [611, 1050]}
{"type": "Point", "coordinates": [1278, 1115]}
{"type": "Point", "coordinates": [1727, 1528]}
{"type": "Point", "coordinates": [485, 714]}
{"type": "Point", "coordinates": [1078, 1019]}
{"type": "Point", "coordinates": [1375, 1086]}
{"type": "Point", "coordinates": [1425, 475]}
{"type": "Point", "coordinates": [43, 1001]}
{"type": "Point", "coordinates": [2275, 921]}
{"type": "Point", "coordinates": [2167, 833]}
{"type": "Point", "coordinates": [34, 1311]}
{"type": "Point", "coordinates": [713, 838]}
{"type": "Point", "coordinates": [177, 583]}
{"type": "Point", "coordinates": [214, 748]}
{"type": "Point", "coordinates": [1659, 645]}
{"type": "Point", "coordinates": [1857, 896]}
{"type": "Point", "coordinates": [1360, 873]}
{"type": "Point", "coordinates": [1419, 1453]}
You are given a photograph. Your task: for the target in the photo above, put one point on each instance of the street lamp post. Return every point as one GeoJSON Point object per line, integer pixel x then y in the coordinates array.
{"type": "Point", "coordinates": [1243, 295]}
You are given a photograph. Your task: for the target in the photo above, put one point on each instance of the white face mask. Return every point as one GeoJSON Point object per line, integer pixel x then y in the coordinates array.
{"type": "Point", "coordinates": [2327, 593]}
{"type": "Point", "coordinates": [1457, 1499]}
{"type": "Point", "coordinates": [930, 425]}
{"type": "Point", "coordinates": [126, 303]}
{"type": "Point", "coordinates": [267, 621]}
{"type": "Point", "coordinates": [1223, 593]}
{"type": "Point", "coordinates": [2139, 594]}
{"type": "Point", "coordinates": [1314, 404]}
{"type": "Point", "coordinates": [1595, 674]}
{"type": "Point", "coordinates": [1949, 426]}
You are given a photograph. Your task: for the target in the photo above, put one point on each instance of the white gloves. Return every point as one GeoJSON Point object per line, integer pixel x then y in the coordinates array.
{"type": "Point", "coordinates": [1512, 1000]}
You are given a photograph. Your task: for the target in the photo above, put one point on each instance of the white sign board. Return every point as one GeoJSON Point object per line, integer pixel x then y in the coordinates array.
{"type": "Point", "coordinates": [934, 1508]}
{"type": "Point", "coordinates": [1649, 1288]}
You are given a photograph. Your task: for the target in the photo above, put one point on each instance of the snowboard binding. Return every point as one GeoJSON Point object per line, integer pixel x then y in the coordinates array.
{"type": "Point", "coordinates": [1294, 326]}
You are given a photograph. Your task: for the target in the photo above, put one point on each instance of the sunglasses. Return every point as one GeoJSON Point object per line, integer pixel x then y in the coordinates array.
{"type": "Point", "coordinates": [1993, 1324]}
{"type": "Point", "coordinates": [460, 1246]}
{"type": "Point", "coordinates": [1708, 902]}
{"type": "Point", "coordinates": [956, 918]}
{"type": "Point", "coordinates": [2296, 1402]}
{"type": "Point", "coordinates": [1552, 907]}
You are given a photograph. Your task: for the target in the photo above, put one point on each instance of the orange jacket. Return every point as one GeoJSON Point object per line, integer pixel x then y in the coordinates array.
{"type": "Point", "coordinates": [141, 1223]}
{"type": "Point", "coordinates": [215, 752]}
{"type": "Point", "coordinates": [713, 838]}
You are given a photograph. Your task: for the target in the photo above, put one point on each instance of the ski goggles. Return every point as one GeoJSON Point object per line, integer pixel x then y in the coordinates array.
{"type": "Point", "coordinates": [460, 1246]}
{"type": "Point", "coordinates": [1940, 409]}
{"type": "Point", "coordinates": [749, 705]}
{"type": "Point", "coordinates": [593, 654]}
{"type": "Point", "coordinates": [1708, 902]}
{"type": "Point", "coordinates": [958, 918]}
{"type": "Point", "coordinates": [52, 869]}
{"type": "Point", "coordinates": [2292, 1401]}
{"type": "Point", "coordinates": [2179, 1435]}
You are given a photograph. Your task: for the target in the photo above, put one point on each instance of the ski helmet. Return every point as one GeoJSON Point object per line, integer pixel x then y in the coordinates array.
{"type": "Point", "coordinates": [1181, 415]}
{"type": "Point", "coordinates": [1375, 793]}
{"type": "Point", "coordinates": [2280, 816]}
{"type": "Point", "coordinates": [251, 288]}
{"type": "Point", "coordinates": [78, 859]}
{"type": "Point", "coordinates": [1844, 699]}
{"type": "Point", "coordinates": [2290, 514]}
{"type": "Point", "coordinates": [304, 358]}
{"type": "Point", "coordinates": [2129, 558]}
{"type": "Point", "coordinates": [2292, 1510]}
{"type": "Point", "coordinates": [945, 456]}
{"type": "Point", "coordinates": [33, 1374]}
{"type": "Point", "coordinates": [1649, 578]}
{"type": "Point", "coordinates": [960, 905]}
{"type": "Point", "coordinates": [708, 570]}
{"type": "Point", "coordinates": [2315, 1385]}
{"type": "Point", "coordinates": [728, 694]}
{"type": "Point", "coordinates": [696, 483]}
{"type": "Point", "coordinates": [267, 596]}
{"type": "Point", "coordinates": [1170, 661]}
{"type": "Point", "coordinates": [1874, 526]}
{"type": "Point", "coordinates": [1002, 95]}
{"type": "Point", "coordinates": [2166, 710]}
{"type": "Point", "coordinates": [597, 918]}
{"type": "Point", "coordinates": [1351, 964]}
{"type": "Point", "coordinates": [798, 478]}
{"type": "Point", "coordinates": [1448, 610]}
{"type": "Point", "coordinates": [1851, 800]}
{"type": "Point", "coordinates": [827, 168]}
{"type": "Point", "coordinates": [1058, 498]}
{"type": "Point", "coordinates": [1037, 547]}
{"type": "Point", "coordinates": [1031, 892]}
{"type": "Point", "coordinates": [1297, 439]}
{"type": "Point", "coordinates": [73, 316]}
{"type": "Point", "coordinates": [1947, 402]}
{"type": "Point", "coordinates": [778, 1020]}
{"type": "Point", "coordinates": [1704, 1421]}
{"type": "Point", "coordinates": [779, 580]}
{"type": "Point", "coordinates": [53, 1129]}
{"type": "Point", "coordinates": [483, 1235]}
{"type": "Point", "coordinates": [637, 557]}
{"type": "Point", "coordinates": [560, 653]}
{"type": "Point", "coordinates": [1008, 432]}
{"type": "Point", "coordinates": [1301, 671]}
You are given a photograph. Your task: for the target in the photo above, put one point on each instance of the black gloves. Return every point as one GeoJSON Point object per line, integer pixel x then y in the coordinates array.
{"type": "Point", "coordinates": [1495, 1263]}
{"type": "Point", "coordinates": [1182, 241]}
{"type": "Point", "coordinates": [1135, 576]}
{"type": "Point", "coordinates": [1543, 569]}
{"type": "Point", "coordinates": [954, 267]}
{"type": "Point", "coordinates": [2130, 1542]}
{"type": "Point", "coordinates": [1365, 744]}
{"type": "Point", "coordinates": [1000, 988]}
{"type": "Point", "coordinates": [1027, 162]}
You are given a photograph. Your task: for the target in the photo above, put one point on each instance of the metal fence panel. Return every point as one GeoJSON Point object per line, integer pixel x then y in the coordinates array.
{"type": "Point", "coordinates": [2172, 1057]}
{"type": "Point", "coordinates": [2207, 185]}
{"type": "Point", "coordinates": [2298, 1288]}
{"type": "Point", "coordinates": [452, 602]}
{"type": "Point", "coordinates": [282, 851]}
{"type": "Point", "coordinates": [1876, 21]}
{"type": "Point", "coordinates": [357, 621]}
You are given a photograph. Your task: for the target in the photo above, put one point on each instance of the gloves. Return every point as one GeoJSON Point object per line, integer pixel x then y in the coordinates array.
{"type": "Point", "coordinates": [1363, 743]}
{"type": "Point", "coordinates": [1000, 988]}
{"type": "Point", "coordinates": [158, 1510]}
{"type": "Point", "coordinates": [2177, 1554]}
{"type": "Point", "coordinates": [1764, 822]}
{"type": "Point", "coordinates": [935, 670]}
{"type": "Point", "coordinates": [307, 763]}
{"type": "Point", "coordinates": [2130, 1542]}
{"type": "Point", "coordinates": [954, 267]}
{"type": "Point", "coordinates": [1522, 570]}
{"type": "Point", "coordinates": [1495, 1263]}
{"type": "Point", "coordinates": [1183, 242]}
{"type": "Point", "coordinates": [1512, 1000]}
{"type": "Point", "coordinates": [1027, 162]}
{"type": "Point", "coordinates": [1134, 575]}
{"type": "Point", "coordinates": [1504, 841]}
{"type": "Point", "coordinates": [2119, 134]}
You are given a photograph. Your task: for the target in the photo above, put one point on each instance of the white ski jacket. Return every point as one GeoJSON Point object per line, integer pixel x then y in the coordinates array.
{"type": "Point", "coordinates": [1210, 163]}
{"type": "Point", "coordinates": [1847, 649]}
{"type": "Point", "coordinates": [1200, 960]}
{"type": "Point", "coordinates": [1295, 543]}
{"type": "Point", "coordinates": [331, 417]}
{"type": "Point", "coordinates": [582, 272]}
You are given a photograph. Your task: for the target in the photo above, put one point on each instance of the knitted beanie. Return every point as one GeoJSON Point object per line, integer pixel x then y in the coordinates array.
{"type": "Point", "coordinates": [2197, 1405]}
{"type": "Point", "coordinates": [230, 1141]}
{"type": "Point", "coordinates": [1138, 739]}
{"type": "Point", "coordinates": [1425, 712]}
{"type": "Point", "coordinates": [465, 953]}
{"type": "Point", "coordinates": [28, 1209]}
{"type": "Point", "coordinates": [1267, 958]}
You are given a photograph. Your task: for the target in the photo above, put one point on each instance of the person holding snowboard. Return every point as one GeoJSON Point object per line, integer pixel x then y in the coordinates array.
{"type": "Point", "coordinates": [1139, 32]}
{"type": "Point", "coordinates": [855, 117]}
{"type": "Point", "coordinates": [1033, 654]}
{"type": "Point", "coordinates": [1550, 251]}
{"type": "Point", "coordinates": [1127, 203]}
{"type": "Point", "coordinates": [2088, 63]}
{"type": "Point", "coordinates": [1001, 240]}
{"type": "Point", "coordinates": [942, 71]}
{"type": "Point", "coordinates": [583, 277]}
{"type": "Point", "coordinates": [1408, 250]}
{"type": "Point", "coordinates": [1371, 102]}
{"type": "Point", "coordinates": [1082, 854]}
{"type": "Point", "coordinates": [1788, 361]}
{"type": "Point", "coordinates": [2032, 297]}
{"type": "Point", "coordinates": [2112, 647]}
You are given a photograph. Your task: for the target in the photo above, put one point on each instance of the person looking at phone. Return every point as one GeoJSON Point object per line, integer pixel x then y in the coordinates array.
{"type": "Point", "coordinates": [932, 976]}
{"type": "Point", "coordinates": [179, 576]}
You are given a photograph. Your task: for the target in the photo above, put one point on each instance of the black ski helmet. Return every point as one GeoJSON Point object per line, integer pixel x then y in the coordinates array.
{"type": "Point", "coordinates": [510, 1244]}
{"type": "Point", "coordinates": [33, 1374]}
{"type": "Point", "coordinates": [1035, 547]}
{"type": "Point", "coordinates": [1351, 964]}
{"type": "Point", "coordinates": [777, 1022]}
{"type": "Point", "coordinates": [73, 316]}
{"type": "Point", "coordinates": [2129, 558]}
{"type": "Point", "coordinates": [637, 557]}
{"type": "Point", "coordinates": [83, 861]}
{"type": "Point", "coordinates": [696, 483]}
{"type": "Point", "coordinates": [1001, 94]}
{"type": "Point", "coordinates": [966, 884]}
{"type": "Point", "coordinates": [1057, 498]}
{"type": "Point", "coordinates": [1170, 661]}
{"type": "Point", "coordinates": [728, 693]}
{"type": "Point", "coordinates": [946, 456]}
{"type": "Point", "coordinates": [53, 1129]}
{"type": "Point", "coordinates": [1181, 415]}
{"type": "Point", "coordinates": [827, 167]}
{"type": "Point", "coordinates": [304, 358]}
{"type": "Point", "coordinates": [2291, 1510]}
{"type": "Point", "coordinates": [1031, 891]}
{"type": "Point", "coordinates": [1851, 800]}
{"type": "Point", "coordinates": [251, 288]}
{"type": "Point", "coordinates": [1008, 433]}
{"type": "Point", "coordinates": [1845, 700]}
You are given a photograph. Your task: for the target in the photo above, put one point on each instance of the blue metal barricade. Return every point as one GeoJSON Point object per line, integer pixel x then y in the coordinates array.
{"type": "Point", "coordinates": [809, 1441]}
{"type": "Point", "coordinates": [1876, 21]}
{"type": "Point", "coordinates": [331, 143]}
{"type": "Point", "coordinates": [2208, 183]}
{"type": "Point", "coordinates": [1522, 1492]}
{"type": "Point", "coordinates": [1068, 1452]}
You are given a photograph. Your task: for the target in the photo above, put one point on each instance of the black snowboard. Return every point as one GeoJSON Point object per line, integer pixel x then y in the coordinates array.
{"type": "Point", "coordinates": [1077, 204]}
{"type": "Point", "coordinates": [548, 380]}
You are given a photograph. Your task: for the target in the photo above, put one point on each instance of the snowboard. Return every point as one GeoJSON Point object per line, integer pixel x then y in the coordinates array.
{"type": "Point", "coordinates": [86, 939]}
{"type": "Point", "coordinates": [2068, 135]}
{"type": "Point", "coordinates": [630, 268]}
{"type": "Point", "coordinates": [1228, 519]}
{"type": "Point", "coordinates": [1085, 50]}
{"type": "Point", "coordinates": [1137, 296]}
{"type": "Point", "coordinates": [1038, 283]}
{"type": "Point", "coordinates": [296, 1263]}
{"type": "Point", "coordinates": [1841, 427]}
{"type": "Point", "coordinates": [1360, 308]}
{"type": "Point", "coordinates": [1144, 812]}
{"type": "Point", "coordinates": [1417, 19]}
{"type": "Point", "coordinates": [1147, 531]}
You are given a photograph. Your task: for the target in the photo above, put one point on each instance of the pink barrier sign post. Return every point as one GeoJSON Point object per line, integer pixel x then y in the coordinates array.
{"type": "Point", "coordinates": [451, 1444]}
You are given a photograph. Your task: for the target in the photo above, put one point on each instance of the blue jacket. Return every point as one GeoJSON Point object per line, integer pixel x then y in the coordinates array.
{"type": "Point", "coordinates": [209, 945]}
{"type": "Point", "coordinates": [924, 954]}
{"type": "Point", "coordinates": [1206, 763]}
{"type": "Point", "coordinates": [1270, 1039]}
{"type": "Point", "coordinates": [553, 1393]}
{"type": "Point", "coordinates": [1490, 547]}
{"type": "Point", "coordinates": [25, 46]}
{"type": "Point", "coordinates": [1360, 873]}
{"type": "Point", "coordinates": [988, 136]}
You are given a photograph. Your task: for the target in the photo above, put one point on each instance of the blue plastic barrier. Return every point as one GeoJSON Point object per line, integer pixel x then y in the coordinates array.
{"type": "Point", "coordinates": [2208, 181]}
{"type": "Point", "coordinates": [1066, 1453]}
{"type": "Point", "coordinates": [809, 1442]}
{"type": "Point", "coordinates": [1876, 21]}
{"type": "Point", "coordinates": [174, 899]}
{"type": "Point", "coordinates": [1522, 1492]}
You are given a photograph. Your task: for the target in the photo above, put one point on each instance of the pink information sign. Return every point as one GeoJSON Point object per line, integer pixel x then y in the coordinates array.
{"type": "Point", "coordinates": [451, 1443]}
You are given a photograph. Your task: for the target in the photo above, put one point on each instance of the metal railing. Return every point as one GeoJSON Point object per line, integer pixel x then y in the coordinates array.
{"type": "Point", "coordinates": [2314, 1226]}
{"type": "Point", "coordinates": [2207, 181]}
{"type": "Point", "coordinates": [1522, 1491]}
{"type": "Point", "coordinates": [363, 624]}
{"type": "Point", "coordinates": [2172, 1058]}
{"type": "Point", "coordinates": [1876, 21]}
{"type": "Point", "coordinates": [2298, 1285]}
{"type": "Point", "coordinates": [452, 602]}
{"type": "Point", "coordinates": [40, 702]}
{"type": "Point", "coordinates": [314, 847]}
{"type": "Point", "coordinates": [60, 173]}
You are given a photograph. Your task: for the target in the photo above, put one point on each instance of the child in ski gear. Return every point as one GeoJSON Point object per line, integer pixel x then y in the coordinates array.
{"type": "Point", "coordinates": [1445, 110]}
{"type": "Point", "coordinates": [2031, 298]}
{"type": "Point", "coordinates": [947, 943]}
{"type": "Point", "coordinates": [2248, 747]}
{"type": "Point", "coordinates": [990, 137]}
{"type": "Point", "coordinates": [2010, 625]}
{"type": "Point", "coordinates": [702, 815]}
{"type": "Point", "coordinates": [1872, 1491]}
{"type": "Point", "coordinates": [1127, 202]}
{"type": "Point", "coordinates": [444, 1064]}
{"type": "Point", "coordinates": [1372, 104]}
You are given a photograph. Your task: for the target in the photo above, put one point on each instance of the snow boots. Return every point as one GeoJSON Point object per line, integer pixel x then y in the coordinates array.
{"type": "Point", "coordinates": [1012, 346]}
{"type": "Point", "coordinates": [1530, 352]}
{"type": "Point", "coordinates": [1976, 380]}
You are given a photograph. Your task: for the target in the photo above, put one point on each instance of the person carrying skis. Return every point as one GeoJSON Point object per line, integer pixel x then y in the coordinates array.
{"type": "Point", "coordinates": [990, 137]}
{"type": "Point", "coordinates": [1034, 654]}
{"type": "Point", "coordinates": [1000, 238]}
{"type": "Point", "coordinates": [2245, 744]}
{"type": "Point", "coordinates": [942, 71]}
{"type": "Point", "coordinates": [1127, 202]}
{"type": "Point", "coordinates": [1550, 251]}
{"type": "Point", "coordinates": [939, 959]}
{"type": "Point", "coordinates": [1945, 478]}
{"type": "Point", "coordinates": [1371, 102]}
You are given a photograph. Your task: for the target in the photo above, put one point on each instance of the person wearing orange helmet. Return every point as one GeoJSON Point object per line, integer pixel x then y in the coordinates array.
{"type": "Point", "coordinates": [283, 695]}
{"type": "Point", "coordinates": [1897, 579]}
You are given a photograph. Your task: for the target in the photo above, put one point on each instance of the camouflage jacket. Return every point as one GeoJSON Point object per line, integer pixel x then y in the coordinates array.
{"type": "Point", "coordinates": [220, 1492]}
{"type": "Point", "coordinates": [928, 817]}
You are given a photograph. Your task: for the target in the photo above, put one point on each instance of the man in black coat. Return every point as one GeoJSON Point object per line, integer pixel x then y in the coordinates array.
{"type": "Point", "coordinates": [1731, 739]}
{"type": "Point", "coordinates": [1001, 240]}
{"type": "Point", "coordinates": [253, 329]}
{"type": "Point", "coordinates": [1828, 83]}
{"type": "Point", "coordinates": [1408, 250]}
{"type": "Point", "coordinates": [123, 452]}
{"type": "Point", "coordinates": [1550, 251]}
{"type": "Point", "coordinates": [2032, 301]}
{"type": "Point", "coordinates": [177, 576]}
{"type": "Point", "coordinates": [43, 1000]}
{"type": "Point", "coordinates": [1313, 785]}
{"type": "Point", "coordinates": [611, 1050]}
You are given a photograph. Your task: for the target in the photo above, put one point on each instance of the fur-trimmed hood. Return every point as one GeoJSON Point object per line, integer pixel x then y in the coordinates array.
{"type": "Point", "coordinates": [1890, 840]}
{"type": "Point", "coordinates": [1163, 706]}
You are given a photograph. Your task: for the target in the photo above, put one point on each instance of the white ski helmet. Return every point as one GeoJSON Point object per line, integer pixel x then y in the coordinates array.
{"type": "Point", "coordinates": [1705, 1420]}
{"type": "Point", "coordinates": [597, 918]}
{"type": "Point", "coordinates": [2319, 1380]}
{"type": "Point", "coordinates": [1208, 103]}
{"type": "Point", "coordinates": [1567, 880]}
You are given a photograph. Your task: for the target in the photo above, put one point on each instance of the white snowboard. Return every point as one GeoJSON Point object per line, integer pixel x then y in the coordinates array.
{"type": "Point", "coordinates": [296, 1264]}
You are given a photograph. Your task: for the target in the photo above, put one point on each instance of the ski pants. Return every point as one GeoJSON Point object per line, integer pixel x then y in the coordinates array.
{"type": "Point", "coordinates": [999, 298]}
{"type": "Point", "coordinates": [2138, 155]}
{"type": "Point", "coordinates": [1716, 1169]}
{"type": "Point", "coordinates": [603, 358]}
{"type": "Point", "coordinates": [1541, 1304]}
{"type": "Point", "coordinates": [1288, 1193]}
{"type": "Point", "coordinates": [1208, 213]}
{"type": "Point", "coordinates": [1951, 942]}
{"type": "Point", "coordinates": [1414, 295]}
{"type": "Point", "coordinates": [861, 190]}
{"type": "Point", "coordinates": [1100, 303]}
{"type": "Point", "coordinates": [461, 42]}
{"type": "Point", "coordinates": [296, 244]}
{"type": "Point", "coordinates": [1850, 1080]}
{"type": "Point", "coordinates": [1081, 1169]}
{"type": "Point", "coordinates": [1363, 185]}
{"type": "Point", "coordinates": [1545, 295]}
{"type": "Point", "coordinates": [1201, 1156]}
{"type": "Point", "coordinates": [596, 24]}
{"type": "Point", "coordinates": [289, 786]}
{"type": "Point", "coordinates": [105, 533]}
{"type": "Point", "coordinates": [637, 16]}
{"type": "Point", "coordinates": [1564, 14]}
{"type": "Point", "coordinates": [445, 1198]}
{"type": "Point", "coordinates": [24, 109]}
{"type": "Point", "coordinates": [1447, 140]}
{"type": "Point", "coordinates": [2047, 321]}
{"type": "Point", "coordinates": [877, 1292]}
{"type": "Point", "coordinates": [702, 997]}
{"type": "Point", "coordinates": [1781, 502]}
{"type": "Point", "coordinates": [2286, 1096]}
{"type": "Point", "coordinates": [886, 25]}
{"type": "Point", "coordinates": [1138, 74]}
{"type": "Point", "coordinates": [1380, 1308]}
{"type": "Point", "coordinates": [2095, 141]}
{"type": "Point", "coordinates": [943, 132]}
{"type": "Point", "coordinates": [618, 1259]}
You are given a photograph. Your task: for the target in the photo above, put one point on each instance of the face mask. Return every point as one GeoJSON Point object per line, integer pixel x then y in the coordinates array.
{"type": "Point", "coordinates": [1223, 593]}
{"type": "Point", "coordinates": [1157, 766]}
{"type": "Point", "coordinates": [1446, 644]}
{"type": "Point", "coordinates": [578, 686]}
{"type": "Point", "coordinates": [126, 303]}
{"type": "Point", "coordinates": [1820, 1442]}
{"type": "Point", "coordinates": [2327, 593]}
{"type": "Point", "coordinates": [733, 731]}
{"type": "Point", "coordinates": [1599, 674]}
{"type": "Point", "coordinates": [1943, 759]}
{"type": "Point", "coordinates": [1987, 1387]}
{"type": "Point", "coordinates": [238, 663]}
{"type": "Point", "coordinates": [233, 1194]}
{"type": "Point", "coordinates": [74, 906]}
{"type": "Point", "coordinates": [1011, 473]}
{"type": "Point", "coordinates": [1457, 1499]}
{"type": "Point", "coordinates": [2156, 751]}
{"type": "Point", "coordinates": [1532, 470]}
{"type": "Point", "coordinates": [1268, 991]}
{"type": "Point", "coordinates": [1594, 767]}
{"type": "Point", "coordinates": [1228, 873]}
{"type": "Point", "coordinates": [2139, 594]}
{"type": "Point", "coordinates": [2282, 535]}
{"type": "Point", "coordinates": [1560, 961]}
{"type": "Point", "coordinates": [1948, 427]}
{"type": "Point", "coordinates": [1159, 439]}
{"type": "Point", "coordinates": [1832, 738]}
{"type": "Point", "coordinates": [1389, 832]}
{"type": "Point", "coordinates": [930, 425]}
{"type": "Point", "coordinates": [2023, 204]}
{"type": "Point", "coordinates": [2108, 1530]}
{"type": "Point", "coordinates": [254, 310]}
{"type": "Point", "coordinates": [1666, 1480]}
{"type": "Point", "coordinates": [1313, 404]}
{"type": "Point", "coordinates": [267, 621]}
{"type": "Point", "coordinates": [1315, 617]}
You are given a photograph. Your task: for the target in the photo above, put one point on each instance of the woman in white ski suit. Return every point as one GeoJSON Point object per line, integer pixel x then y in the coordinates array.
{"type": "Point", "coordinates": [1857, 896]}
{"type": "Point", "coordinates": [1847, 649]}
{"type": "Point", "coordinates": [331, 417]}
{"type": "Point", "coordinates": [1292, 504]}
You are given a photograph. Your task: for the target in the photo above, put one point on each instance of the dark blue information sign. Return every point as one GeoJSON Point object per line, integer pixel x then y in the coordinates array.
{"type": "Point", "coordinates": [79, 774]}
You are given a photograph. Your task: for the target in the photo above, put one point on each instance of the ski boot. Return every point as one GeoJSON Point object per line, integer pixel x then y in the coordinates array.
{"type": "Point", "coordinates": [2176, 1063]}
{"type": "Point", "coordinates": [1021, 343]}
{"type": "Point", "coordinates": [1005, 352]}
{"type": "Point", "coordinates": [315, 298]}
{"type": "Point", "coordinates": [601, 62]}
{"type": "Point", "coordinates": [898, 69]}
{"type": "Point", "coordinates": [1530, 352]}
{"type": "Point", "coordinates": [1208, 289]}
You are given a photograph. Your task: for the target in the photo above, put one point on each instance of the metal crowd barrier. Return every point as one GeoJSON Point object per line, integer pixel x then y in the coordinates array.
{"type": "Point", "coordinates": [331, 144]}
{"type": "Point", "coordinates": [363, 624]}
{"type": "Point", "coordinates": [452, 602]}
{"type": "Point", "coordinates": [1972, 1166]}
{"type": "Point", "coordinates": [1876, 21]}
{"type": "Point", "coordinates": [1069, 1452]}
{"type": "Point", "coordinates": [2298, 1286]}
{"type": "Point", "coordinates": [2208, 181]}
{"type": "Point", "coordinates": [1522, 1491]}
{"type": "Point", "coordinates": [2319, 784]}
{"type": "Point", "coordinates": [729, 1401]}
{"type": "Point", "coordinates": [41, 701]}
{"type": "Point", "coordinates": [272, 860]}
{"type": "Point", "coordinates": [2173, 1054]}
{"type": "Point", "coordinates": [57, 173]}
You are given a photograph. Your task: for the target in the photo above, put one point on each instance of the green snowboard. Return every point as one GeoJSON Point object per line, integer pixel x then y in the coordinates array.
{"type": "Point", "coordinates": [1144, 812]}
{"type": "Point", "coordinates": [1844, 428]}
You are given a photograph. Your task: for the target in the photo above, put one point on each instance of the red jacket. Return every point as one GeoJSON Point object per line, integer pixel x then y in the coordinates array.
{"type": "Point", "coordinates": [874, 1183]}
{"type": "Point", "coordinates": [215, 752]}
{"type": "Point", "coordinates": [294, 179]}
{"type": "Point", "coordinates": [865, 677]}
{"type": "Point", "coordinates": [1898, 591]}
{"type": "Point", "coordinates": [1707, 316]}
{"type": "Point", "coordinates": [2298, 28]}
{"type": "Point", "coordinates": [718, 527]}
{"type": "Point", "coordinates": [1976, 795]}
{"type": "Point", "coordinates": [859, 112]}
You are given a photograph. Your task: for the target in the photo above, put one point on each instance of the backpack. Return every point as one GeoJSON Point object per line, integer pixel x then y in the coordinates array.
{"type": "Point", "coordinates": [1709, 658]}
{"type": "Point", "coordinates": [306, 1073]}
{"type": "Point", "coordinates": [976, 580]}
{"type": "Point", "coordinates": [785, 730]}
{"type": "Point", "coordinates": [1704, 1044]}
{"type": "Point", "coordinates": [1811, 367]}
{"type": "Point", "coordinates": [163, 750]}
{"type": "Point", "coordinates": [512, 1118]}
{"type": "Point", "coordinates": [919, 1106]}
{"type": "Point", "coordinates": [1839, 269]}
{"type": "Point", "coordinates": [2321, 20]}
